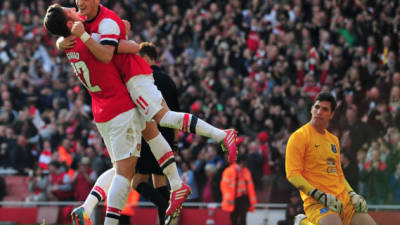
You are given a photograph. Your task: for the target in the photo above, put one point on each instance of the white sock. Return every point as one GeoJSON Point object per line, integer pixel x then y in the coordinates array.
{"type": "Point", "coordinates": [165, 158]}
{"type": "Point", "coordinates": [99, 191]}
{"type": "Point", "coordinates": [117, 196]}
{"type": "Point", "coordinates": [191, 124]}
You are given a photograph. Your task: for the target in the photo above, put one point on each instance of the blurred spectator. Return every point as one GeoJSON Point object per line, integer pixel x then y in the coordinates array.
{"type": "Point", "coordinates": [210, 191]}
{"type": "Point", "coordinates": [83, 179]}
{"type": "Point", "coordinates": [99, 158]}
{"type": "Point", "coordinates": [213, 157]}
{"type": "Point", "coordinates": [7, 113]}
{"type": "Point", "coordinates": [362, 183]}
{"type": "Point", "coordinates": [280, 186]}
{"type": "Point", "coordinates": [8, 148]}
{"type": "Point", "coordinates": [394, 186]}
{"type": "Point", "coordinates": [311, 88]}
{"type": "Point", "coordinates": [376, 178]}
{"type": "Point", "coordinates": [45, 155]}
{"type": "Point", "coordinates": [394, 101]}
{"type": "Point", "coordinates": [13, 29]}
{"type": "Point", "coordinates": [392, 141]}
{"type": "Point", "coordinates": [357, 131]}
{"type": "Point", "coordinates": [59, 188]}
{"type": "Point", "coordinates": [295, 207]}
{"type": "Point", "coordinates": [238, 193]}
{"type": "Point", "coordinates": [65, 152]}
{"type": "Point", "coordinates": [189, 178]}
{"type": "Point", "coordinates": [38, 183]}
{"type": "Point", "coordinates": [262, 139]}
{"type": "Point", "coordinates": [5, 160]}
{"type": "Point", "coordinates": [23, 124]}
{"type": "Point", "coordinates": [350, 170]}
{"type": "Point", "coordinates": [22, 158]}
{"type": "Point", "coordinates": [255, 161]}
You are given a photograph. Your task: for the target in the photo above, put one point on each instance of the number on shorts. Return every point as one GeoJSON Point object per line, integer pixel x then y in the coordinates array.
{"type": "Point", "coordinates": [81, 68]}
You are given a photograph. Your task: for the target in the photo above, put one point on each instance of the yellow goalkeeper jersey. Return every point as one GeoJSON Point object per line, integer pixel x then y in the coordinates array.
{"type": "Point", "coordinates": [316, 157]}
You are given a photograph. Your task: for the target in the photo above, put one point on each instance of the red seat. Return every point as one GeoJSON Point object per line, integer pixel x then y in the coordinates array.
{"type": "Point", "coordinates": [64, 216]}
{"type": "Point", "coordinates": [16, 188]}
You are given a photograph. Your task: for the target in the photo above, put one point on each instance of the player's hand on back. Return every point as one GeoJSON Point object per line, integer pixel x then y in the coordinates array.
{"type": "Point", "coordinates": [77, 29]}
{"type": "Point", "coordinates": [66, 43]}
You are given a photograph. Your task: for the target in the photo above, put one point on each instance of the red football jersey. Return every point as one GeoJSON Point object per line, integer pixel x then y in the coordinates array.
{"type": "Point", "coordinates": [109, 95]}
{"type": "Point", "coordinates": [108, 28]}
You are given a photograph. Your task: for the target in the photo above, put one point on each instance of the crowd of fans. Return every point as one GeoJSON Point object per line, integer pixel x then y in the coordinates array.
{"type": "Point", "coordinates": [253, 65]}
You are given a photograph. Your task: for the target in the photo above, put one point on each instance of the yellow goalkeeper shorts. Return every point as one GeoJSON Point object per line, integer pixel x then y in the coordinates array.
{"type": "Point", "coordinates": [316, 211]}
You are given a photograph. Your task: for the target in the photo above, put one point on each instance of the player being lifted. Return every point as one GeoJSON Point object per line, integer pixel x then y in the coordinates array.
{"type": "Point", "coordinates": [116, 117]}
{"type": "Point", "coordinates": [147, 163]}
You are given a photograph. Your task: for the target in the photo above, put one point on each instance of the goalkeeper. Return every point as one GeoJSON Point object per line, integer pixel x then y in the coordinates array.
{"type": "Point", "coordinates": [313, 167]}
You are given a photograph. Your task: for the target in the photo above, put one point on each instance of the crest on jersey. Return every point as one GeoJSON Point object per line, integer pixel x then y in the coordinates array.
{"type": "Point", "coordinates": [333, 147]}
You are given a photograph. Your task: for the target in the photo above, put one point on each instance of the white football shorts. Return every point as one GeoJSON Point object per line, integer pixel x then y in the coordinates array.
{"type": "Point", "coordinates": [123, 134]}
{"type": "Point", "coordinates": [145, 95]}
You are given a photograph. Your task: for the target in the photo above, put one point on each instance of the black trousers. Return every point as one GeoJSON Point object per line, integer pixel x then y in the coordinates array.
{"type": "Point", "coordinates": [239, 214]}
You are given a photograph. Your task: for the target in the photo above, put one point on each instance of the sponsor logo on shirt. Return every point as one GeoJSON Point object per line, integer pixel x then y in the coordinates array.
{"type": "Point", "coordinates": [331, 165]}
{"type": "Point", "coordinates": [333, 148]}
{"type": "Point", "coordinates": [323, 211]}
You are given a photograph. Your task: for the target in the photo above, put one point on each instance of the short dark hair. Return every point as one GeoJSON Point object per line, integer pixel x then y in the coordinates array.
{"type": "Point", "coordinates": [149, 49]}
{"type": "Point", "coordinates": [55, 21]}
{"type": "Point", "coordinates": [328, 97]}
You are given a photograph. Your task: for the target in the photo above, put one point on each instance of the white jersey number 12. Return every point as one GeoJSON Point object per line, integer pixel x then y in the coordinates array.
{"type": "Point", "coordinates": [81, 68]}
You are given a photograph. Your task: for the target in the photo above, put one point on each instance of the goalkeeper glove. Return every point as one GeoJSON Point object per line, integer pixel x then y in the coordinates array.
{"type": "Point", "coordinates": [328, 200]}
{"type": "Point", "coordinates": [359, 203]}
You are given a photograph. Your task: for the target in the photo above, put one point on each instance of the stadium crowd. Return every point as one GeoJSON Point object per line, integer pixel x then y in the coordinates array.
{"type": "Point", "coordinates": [252, 65]}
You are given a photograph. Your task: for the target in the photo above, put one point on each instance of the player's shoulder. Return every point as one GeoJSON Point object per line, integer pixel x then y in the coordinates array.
{"type": "Point", "coordinates": [108, 13]}
{"type": "Point", "coordinates": [303, 131]}
{"type": "Point", "coordinates": [162, 78]}
{"type": "Point", "coordinates": [332, 136]}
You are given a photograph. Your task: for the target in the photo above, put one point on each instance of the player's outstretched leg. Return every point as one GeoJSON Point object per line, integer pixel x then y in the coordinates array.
{"type": "Point", "coordinates": [151, 105]}
{"type": "Point", "coordinates": [177, 198]}
{"type": "Point", "coordinates": [190, 123]}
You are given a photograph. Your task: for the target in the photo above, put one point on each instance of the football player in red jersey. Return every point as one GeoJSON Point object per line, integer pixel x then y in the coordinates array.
{"type": "Point", "coordinates": [107, 28]}
{"type": "Point", "coordinates": [115, 114]}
